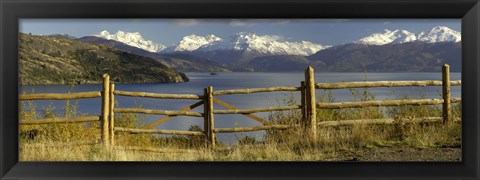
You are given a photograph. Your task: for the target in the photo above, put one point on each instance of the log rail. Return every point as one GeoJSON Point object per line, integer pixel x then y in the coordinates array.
{"type": "Point", "coordinates": [156, 95]}
{"type": "Point", "coordinates": [61, 120]}
{"type": "Point", "coordinates": [57, 96]}
{"type": "Point", "coordinates": [374, 84]}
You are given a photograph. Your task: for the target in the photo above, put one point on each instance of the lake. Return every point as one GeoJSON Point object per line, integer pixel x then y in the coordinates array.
{"type": "Point", "coordinates": [236, 80]}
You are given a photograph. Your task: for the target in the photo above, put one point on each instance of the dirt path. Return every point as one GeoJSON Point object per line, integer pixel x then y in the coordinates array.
{"type": "Point", "coordinates": [400, 154]}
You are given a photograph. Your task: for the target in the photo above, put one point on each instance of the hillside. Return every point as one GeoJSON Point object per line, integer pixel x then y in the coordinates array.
{"type": "Point", "coordinates": [50, 60]}
{"type": "Point", "coordinates": [177, 61]}
{"type": "Point", "coordinates": [189, 63]}
{"type": "Point", "coordinates": [283, 63]}
{"type": "Point", "coordinates": [405, 57]}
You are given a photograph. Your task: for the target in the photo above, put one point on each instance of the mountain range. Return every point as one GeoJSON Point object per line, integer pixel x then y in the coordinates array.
{"type": "Point", "coordinates": [218, 54]}
{"type": "Point", "coordinates": [388, 51]}
{"type": "Point", "coordinates": [242, 41]}
{"type": "Point", "coordinates": [275, 45]}
{"type": "Point", "coordinates": [391, 50]}
{"type": "Point", "coordinates": [434, 35]}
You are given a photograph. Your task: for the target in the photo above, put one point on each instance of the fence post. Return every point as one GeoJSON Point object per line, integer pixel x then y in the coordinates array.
{"type": "Point", "coordinates": [111, 115]}
{"type": "Point", "coordinates": [105, 108]}
{"type": "Point", "coordinates": [302, 100]}
{"type": "Point", "coordinates": [311, 116]}
{"type": "Point", "coordinates": [206, 113]}
{"type": "Point", "coordinates": [447, 113]}
{"type": "Point", "coordinates": [211, 120]}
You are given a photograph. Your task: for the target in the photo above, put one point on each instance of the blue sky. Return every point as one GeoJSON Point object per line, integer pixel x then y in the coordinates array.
{"type": "Point", "coordinates": [170, 31]}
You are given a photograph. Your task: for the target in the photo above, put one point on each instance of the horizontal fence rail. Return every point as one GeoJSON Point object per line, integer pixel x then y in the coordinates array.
{"type": "Point", "coordinates": [56, 144]}
{"type": "Point", "coordinates": [255, 128]}
{"type": "Point", "coordinates": [382, 121]}
{"type": "Point", "coordinates": [371, 84]}
{"type": "Point", "coordinates": [61, 120]}
{"type": "Point", "coordinates": [417, 102]}
{"type": "Point", "coordinates": [156, 95]}
{"type": "Point", "coordinates": [456, 100]}
{"type": "Point", "coordinates": [158, 112]}
{"type": "Point", "coordinates": [248, 111]}
{"type": "Point", "coordinates": [156, 150]}
{"type": "Point", "coordinates": [158, 131]}
{"type": "Point", "coordinates": [254, 90]}
{"type": "Point", "coordinates": [57, 96]}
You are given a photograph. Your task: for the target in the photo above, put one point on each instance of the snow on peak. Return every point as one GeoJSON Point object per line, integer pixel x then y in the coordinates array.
{"type": "Point", "coordinates": [436, 34]}
{"type": "Point", "coordinates": [104, 33]}
{"type": "Point", "coordinates": [387, 37]}
{"type": "Point", "coordinates": [193, 42]}
{"type": "Point", "coordinates": [212, 38]}
{"type": "Point", "coordinates": [440, 34]}
{"type": "Point", "coordinates": [134, 39]}
{"type": "Point", "coordinates": [264, 44]}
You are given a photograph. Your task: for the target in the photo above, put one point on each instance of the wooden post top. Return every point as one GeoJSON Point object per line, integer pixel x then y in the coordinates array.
{"type": "Point", "coordinates": [309, 68]}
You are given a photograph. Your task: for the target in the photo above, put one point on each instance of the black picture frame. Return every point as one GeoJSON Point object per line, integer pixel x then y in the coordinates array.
{"type": "Point", "coordinates": [467, 10]}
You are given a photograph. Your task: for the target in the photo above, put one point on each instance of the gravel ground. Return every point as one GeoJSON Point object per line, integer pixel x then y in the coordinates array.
{"type": "Point", "coordinates": [400, 154]}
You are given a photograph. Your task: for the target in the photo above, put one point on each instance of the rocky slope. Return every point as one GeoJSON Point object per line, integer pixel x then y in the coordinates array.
{"type": "Point", "coordinates": [50, 60]}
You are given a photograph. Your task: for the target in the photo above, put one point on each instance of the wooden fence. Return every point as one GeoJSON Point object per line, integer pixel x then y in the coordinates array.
{"type": "Point", "coordinates": [308, 107]}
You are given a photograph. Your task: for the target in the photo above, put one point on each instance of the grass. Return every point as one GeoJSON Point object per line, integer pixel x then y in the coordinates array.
{"type": "Point", "coordinates": [332, 139]}
{"type": "Point", "coordinates": [54, 142]}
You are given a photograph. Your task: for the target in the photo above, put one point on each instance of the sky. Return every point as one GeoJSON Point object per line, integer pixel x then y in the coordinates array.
{"type": "Point", "coordinates": [171, 31]}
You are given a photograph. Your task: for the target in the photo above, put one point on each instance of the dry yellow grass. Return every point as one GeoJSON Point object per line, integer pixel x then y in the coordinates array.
{"type": "Point", "coordinates": [330, 143]}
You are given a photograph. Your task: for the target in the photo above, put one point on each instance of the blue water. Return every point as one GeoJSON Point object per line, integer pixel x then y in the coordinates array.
{"type": "Point", "coordinates": [236, 80]}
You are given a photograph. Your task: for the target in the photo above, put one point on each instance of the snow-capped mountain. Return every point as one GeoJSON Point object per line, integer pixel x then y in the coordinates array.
{"type": "Point", "coordinates": [249, 42]}
{"type": "Point", "coordinates": [440, 34]}
{"type": "Point", "coordinates": [193, 42]}
{"type": "Point", "coordinates": [134, 39]}
{"type": "Point", "coordinates": [265, 44]}
{"type": "Point", "coordinates": [387, 37]}
{"type": "Point", "coordinates": [436, 34]}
